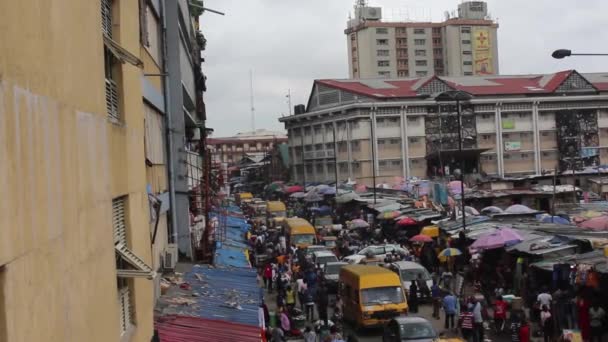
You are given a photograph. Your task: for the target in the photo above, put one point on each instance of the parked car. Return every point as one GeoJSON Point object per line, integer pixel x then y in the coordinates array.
{"type": "Point", "coordinates": [314, 248]}
{"type": "Point", "coordinates": [320, 258]}
{"type": "Point", "coordinates": [409, 271]}
{"type": "Point", "coordinates": [379, 252]}
{"type": "Point", "coordinates": [331, 274]}
{"type": "Point", "coordinates": [407, 328]}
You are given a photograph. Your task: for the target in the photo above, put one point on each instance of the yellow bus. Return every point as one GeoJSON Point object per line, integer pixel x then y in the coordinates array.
{"type": "Point", "coordinates": [276, 209]}
{"type": "Point", "coordinates": [299, 232]}
{"type": "Point", "coordinates": [372, 295]}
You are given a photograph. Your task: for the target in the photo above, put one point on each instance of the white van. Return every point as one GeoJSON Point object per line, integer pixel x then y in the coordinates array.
{"type": "Point", "coordinates": [409, 271]}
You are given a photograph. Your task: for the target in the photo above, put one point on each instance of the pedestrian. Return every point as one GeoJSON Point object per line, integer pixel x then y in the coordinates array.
{"type": "Point", "coordinates": [278, 335]}
{"type": "Point", "coordinates": [436, 294]}
{"type": "Point", "coordinates": [309, 335]}
{"type": "Point", "coordinates": [322, 303]}
{"type": "Point", "coordinates": [516, 324]}
{"type": "Point", "coordinates": [285, 322]}
{"type": "Point", "coordinates": [544, 298]}
{"type": "Point", "coordinates": [478, 321]}
{"type": "Point", "coordinates": [466, 323]}
{"type": "Point", "coordinates": [524, 331]}
{"type": "Point", "coordinates": [597, 317]}
{"type": "Point", "coordinates": [500, 314]}
{"type": "Point", "coordinates": [290, 298]}
{"type": "Point", "coordinates": [413, 297]}
{"type": "Point", "coordinates": [334, 334]}
{"type": "Point", "coordinates": [449, 306]}
{"type": "Point", "coordinates": [423, 288]}
{"type": "Point", "coordinates": [546, 322]}
{"type": "Point", "coordinates": [301, 292]}
{"type": "Point", "coordinates": [268, 277]}
{"type": "Point", "coordinates": [309, 304]}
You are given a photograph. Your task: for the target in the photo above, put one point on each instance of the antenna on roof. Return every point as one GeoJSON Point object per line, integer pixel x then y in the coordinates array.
{"type": "Point", "coordinates": [251, 100]}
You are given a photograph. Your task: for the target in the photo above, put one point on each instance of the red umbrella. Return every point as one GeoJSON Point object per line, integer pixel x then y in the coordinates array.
{"type": "Point", "coordinates": [295, 188]}
{"type": "Point", "coordinates": [421, 238]}
{"type": "Point", "coordinates": [407, 221]}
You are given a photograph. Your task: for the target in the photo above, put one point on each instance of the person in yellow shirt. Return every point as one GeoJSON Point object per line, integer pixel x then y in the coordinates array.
{"type": "Point", "coordinates": [290, 298]}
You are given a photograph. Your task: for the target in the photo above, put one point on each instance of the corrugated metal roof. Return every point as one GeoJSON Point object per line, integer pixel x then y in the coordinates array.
{"type": "Point", "coordinates": [193, 329]}
{"type": "Point", "coordinates": [228, 294]}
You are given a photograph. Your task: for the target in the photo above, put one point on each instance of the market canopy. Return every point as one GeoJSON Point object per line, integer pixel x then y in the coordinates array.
{"type": "Point", "coordinates": [597, 223]}
{"type": "Point", "coordinates": [500, 238]}
{"type": "Point", "coordinates": [347, 197]}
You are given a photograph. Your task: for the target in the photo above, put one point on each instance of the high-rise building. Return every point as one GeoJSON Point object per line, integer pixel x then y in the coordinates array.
{"type": "Point", "coordinates": [463, 45]}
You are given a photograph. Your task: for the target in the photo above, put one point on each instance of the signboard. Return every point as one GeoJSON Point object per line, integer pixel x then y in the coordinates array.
{"type": "Point", "coordinates": [512, 145]}
{"type": "Point", "coordinates": [483, 63]}
{"type": "Point", "coordinates": [508, 124]}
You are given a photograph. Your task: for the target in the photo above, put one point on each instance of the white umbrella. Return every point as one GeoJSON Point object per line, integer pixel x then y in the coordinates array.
{"type": "Point", "coordinates": [297, 195]}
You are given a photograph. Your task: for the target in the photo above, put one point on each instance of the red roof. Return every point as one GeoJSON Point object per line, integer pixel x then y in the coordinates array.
{"type": "Point", "coordinates": [195, 329]}
{"type": "Point", "coordinates": [476, 85]}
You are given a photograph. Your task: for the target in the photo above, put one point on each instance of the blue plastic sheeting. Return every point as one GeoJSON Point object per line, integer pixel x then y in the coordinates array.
{"type": "Point", "coordinates": [231, 251]}
{"type": "Point", "coordinates": [228, 294]}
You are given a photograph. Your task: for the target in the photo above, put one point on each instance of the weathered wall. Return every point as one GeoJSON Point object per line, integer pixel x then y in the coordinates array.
{"type": "Point", "coordinates": [62, 163]}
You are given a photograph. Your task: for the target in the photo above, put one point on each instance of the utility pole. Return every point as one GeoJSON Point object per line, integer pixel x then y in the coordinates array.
{"type": "Point", "coordinates": [251, 100]}
{"type": "Point", "coordinates": [333, 125]}
{"type": "Point", "coordinates": [373, 141]}
{"type": "Point", "coordinates": [289, 101]}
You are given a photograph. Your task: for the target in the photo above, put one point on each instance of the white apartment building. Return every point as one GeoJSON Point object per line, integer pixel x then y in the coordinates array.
{"type": "Point", "coordinates": [464, 45]}
{"type": "Point", "coordinates": [514, 126]}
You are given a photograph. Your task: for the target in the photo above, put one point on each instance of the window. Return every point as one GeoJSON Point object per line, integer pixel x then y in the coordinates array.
{"type": "Point", "coordinates": [466, 52]}
{"type": "Point", "coordinates": [524, 156]}
{"type": "Point", "coordinates": [468, 73]}
{"type": "Point", "coordinates": [420, 53]}
{"type": "Point", "coordinates": [383, 63]}
{"type": "Point", "coordinates": [112, 74]}
{"type": "Point", "coordinates": [505, 135]}
{"type": "Point", "coordinates": [436, 41]}
{"type": "Point", "coordinates": [384, 73]}
{"type": "Point", "coordinates": [401, 30]}
{"type": "Point", "coordinates": [412, 119]}
{"type": "Point", "coordinates": [415, 161]}
{"type": "Point", "coordinates": [418, 31]}
{"type": "Point", "coordinates": [355, 146]}
{"type": "Point", "coordinates": [381, 141]}
{"type": "Point", "coordinates": [401, 41]}
{"type": "Point", "coordinates": [421, 73]}
{"type": "Point", "coordinates": [353, 37]}
{"type": "Point", "coordinates": [106, 17]}
{"type": "Point", "coordinates": [466, 42]}
{"type": "Point", "coordinates": [413, 140]}
{"type": "Point", "coordinates": [486, 137]}
{"type": "Point", "coordinates": [396, 163]}
{"type": "Point", "coordinates": [506, 156]}
{"type": "Point", "coordinates": [354, 49]}
{"type": "Point", "coordinates": [545, 134]}
{"type": "Point", "coordinates": [382, 163]}
{"type": "Point", "coordinates": [381, 41]}
{"type": "Point", "coordinates": [419, 42]}
{"type": "Point", "coordinates": [522, 115]}
{"type": "Point", "coordinates": [421, 63]}
{"type": "Point", "coordinates": [128, 264]}
{"type": "Point", "coordinates": [439, 63]}
{"type": "Point", "coordinates": [465, 29]}
{"type": "Point", "coordinates": [382, 53]}
{"type": "Point", "coordinates": [436, 30]}
{"type": "Point", "coordinates": [437, 52]}
{"type": "Point", "coordinates": [467, 63]}
{"type": "Point", "coordinates": [394, 141]}
{"type": "Point", "coordinates": [381, 30]}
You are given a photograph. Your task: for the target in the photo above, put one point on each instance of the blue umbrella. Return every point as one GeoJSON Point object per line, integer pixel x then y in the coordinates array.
{"type": "Point", "coordinates": [324, 210]}
{"type": "Point", "coordinates": [546, 218]}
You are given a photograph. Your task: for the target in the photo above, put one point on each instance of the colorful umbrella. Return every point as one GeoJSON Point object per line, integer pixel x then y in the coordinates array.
{"type": "Point", "coordinates": [347, 197]}
{"type": "Point", "coordinates": [324, 210]}
{"type": "Point", "coordinates": [519, 209]}
{"type": "Point", "coordinates": [294, 188]}
{"type": "Point", "coordinates": [388, 215]}
{"type": "Point", "coordinates": [546, 218]}
{"type": "Point", "coordinates": [360, 188]}
{"type": "Point", "coordinates": [589, 214]}
{"type": "Point", "coordinates": [421, 238]}
{"type": "Point", "coordinates": [449, 252]}
{"type": "Point", "coordinates": [501, 238]}
{"type": "Point", "coordinates": [298, 195]}
{"type": "Point", "coordinates": [327, 191]}
{"type": "Point", "coordinates": [358, 223]}
{"type": "Point", "coordinates": [598, 223]}
{"type": "Point", "coordinates": [471, 211]}
{"type": "Point", "coordinates": [491, 210]}
{"type": "Point", "coordinates": [431, 231]}
{"type": "Point", "coordinates": [407, 221]}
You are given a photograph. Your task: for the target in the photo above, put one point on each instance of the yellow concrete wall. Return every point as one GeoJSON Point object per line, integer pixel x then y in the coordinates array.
{"type": "Point", "coordinates": [489, 166]}
{"type": "Point", "coordinates": [388, 150]}
{"type": "Point", "coordinates": [519, 165]}
{"type": "Point", "coordinates": [63, 162]}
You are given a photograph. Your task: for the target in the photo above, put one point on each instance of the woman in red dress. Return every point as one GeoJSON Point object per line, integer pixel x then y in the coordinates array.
{"type": "Point", "coordinates": [582, 305]}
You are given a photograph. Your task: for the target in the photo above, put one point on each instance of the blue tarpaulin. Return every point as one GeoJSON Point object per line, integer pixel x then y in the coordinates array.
{"type": "Point", "coordinates": [231, 251]}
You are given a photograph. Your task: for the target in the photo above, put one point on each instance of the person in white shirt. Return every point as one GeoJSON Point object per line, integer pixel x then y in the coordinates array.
{"type": "Point", "coordinates": [544, 299]}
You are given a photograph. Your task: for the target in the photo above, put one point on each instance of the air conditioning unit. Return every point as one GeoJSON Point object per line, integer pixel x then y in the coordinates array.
{"type": "Point", "coordinates": [170, 258]}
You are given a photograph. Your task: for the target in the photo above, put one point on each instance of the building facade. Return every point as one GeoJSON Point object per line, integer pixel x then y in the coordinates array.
{"type": "Point", "coordinates": [233, 149]}
{"type": "Point", "coordinates": [93, 174]}
{"type": "Point", "coordinates": [394, 129]}
{"type": "Point", "coordinates": [463, 45]}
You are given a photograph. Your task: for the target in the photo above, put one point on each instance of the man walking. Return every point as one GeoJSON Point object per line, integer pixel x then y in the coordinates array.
{"type": "Point", "coordinates": [478, 321]}
{"type": "Point", "coordinates": [449, 306]}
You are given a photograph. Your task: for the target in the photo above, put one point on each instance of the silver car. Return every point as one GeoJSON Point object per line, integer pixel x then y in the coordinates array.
{"type": "Point", "coordinates": [400, 329]}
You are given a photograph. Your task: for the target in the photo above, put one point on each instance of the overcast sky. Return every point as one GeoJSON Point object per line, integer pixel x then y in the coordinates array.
{"type": "Point", "coordinates": [290, 43]}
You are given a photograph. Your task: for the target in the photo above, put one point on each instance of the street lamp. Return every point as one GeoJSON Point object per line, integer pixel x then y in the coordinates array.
{"type": "Point", "coordinates": [562, 53]}
{"type": "Point", "coordinates": [457, 96]}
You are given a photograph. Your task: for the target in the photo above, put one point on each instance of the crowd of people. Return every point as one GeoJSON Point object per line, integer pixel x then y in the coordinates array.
{"type": "Point", "coordinates": [305, 309]}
